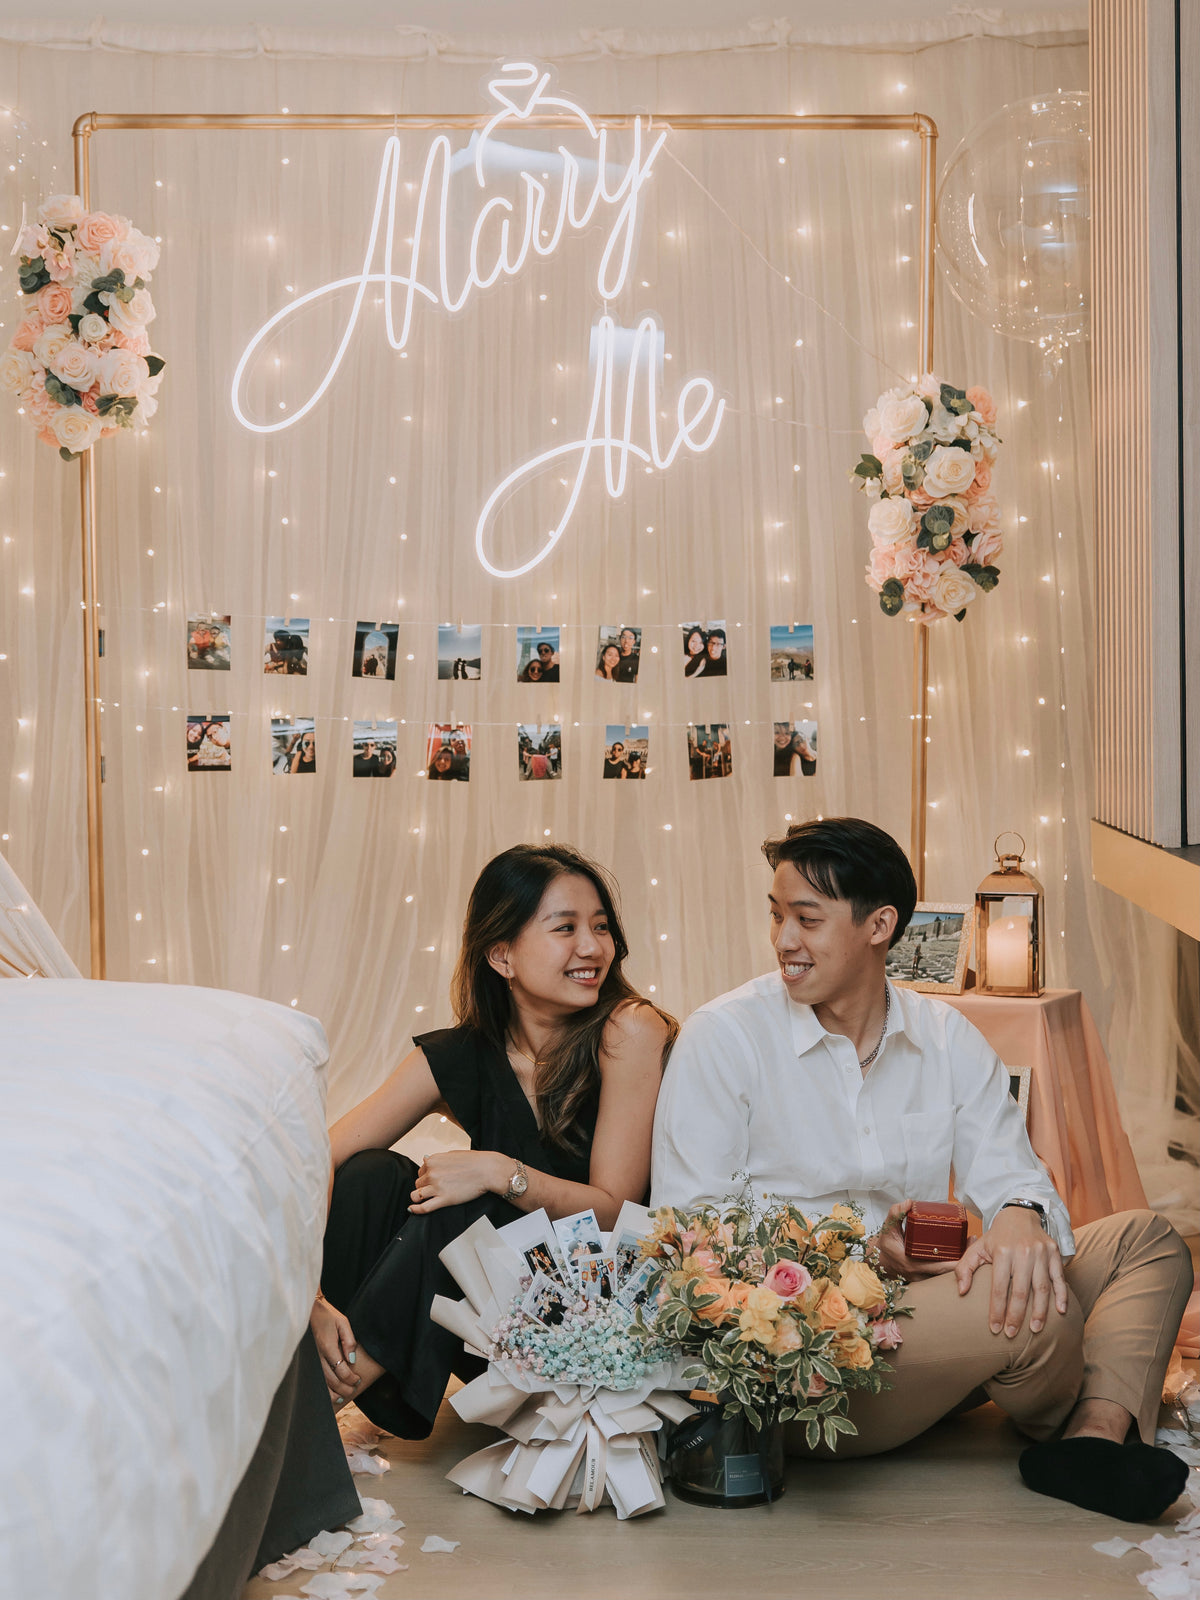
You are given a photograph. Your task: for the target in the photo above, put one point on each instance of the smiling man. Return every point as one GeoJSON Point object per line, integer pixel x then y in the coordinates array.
{"type": "Point", "coordinates": [826, 1085]}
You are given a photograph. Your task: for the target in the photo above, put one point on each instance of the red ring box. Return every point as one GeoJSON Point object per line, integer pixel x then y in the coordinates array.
{"type": "Point", "coordinates": [935, 1230]}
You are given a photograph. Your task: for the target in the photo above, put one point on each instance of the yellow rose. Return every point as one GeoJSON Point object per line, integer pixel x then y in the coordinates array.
{"type": "Point", "coordinates": [845, 1214]}
{"type": "Point", "coordinates": [860, 1286]}
{"type": "Point", "coordinates": [833, 1309]}
{"type": "Point", "coordinates": [787, 1337]}
{"type": "Point", "coordinates": [829, 1244]}
{"type": "Point", "coordinates": [853, 1352]}
{"type": "Point", "coordinates": [759, 1315]}
{"type": "Point", "coordinates": [731, 1297]}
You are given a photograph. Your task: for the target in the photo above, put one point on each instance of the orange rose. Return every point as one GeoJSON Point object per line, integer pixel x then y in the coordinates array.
{"type": "Point", "coordinates": [730, 1299]}
{"type": "Point", "coordinates": [833, 1308]}
{"type": "Point", "coordinates": [54, 302]}
{"type": "Point", "coordinates": [854, 1353]}
{"type": "Point", "coordinates": [829, 1244]}
{"type": "Point", "coordinates": [860, 1286]}
{"type": "Point", "coordinates": [845, 1214]}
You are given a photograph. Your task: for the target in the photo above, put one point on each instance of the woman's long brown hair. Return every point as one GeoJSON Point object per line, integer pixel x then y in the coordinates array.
{"type": "Point", "coordinates": [504, 900]}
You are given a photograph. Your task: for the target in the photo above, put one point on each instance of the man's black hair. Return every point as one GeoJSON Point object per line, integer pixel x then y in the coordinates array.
{"type": "Point", "coordinates": [845, 858]}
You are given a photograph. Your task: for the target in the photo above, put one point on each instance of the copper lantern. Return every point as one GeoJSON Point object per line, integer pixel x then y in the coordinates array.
{"type": "Point", "coordinates": [1009, 916]}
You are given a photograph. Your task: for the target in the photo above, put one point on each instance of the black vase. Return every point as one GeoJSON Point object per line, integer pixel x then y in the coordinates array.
{"type": "Point", "coordinates": [721, 1459]}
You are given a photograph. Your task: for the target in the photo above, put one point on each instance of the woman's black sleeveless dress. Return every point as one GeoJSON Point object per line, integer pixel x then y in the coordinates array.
{"type": "Point", "coordinates": [381, 1262]}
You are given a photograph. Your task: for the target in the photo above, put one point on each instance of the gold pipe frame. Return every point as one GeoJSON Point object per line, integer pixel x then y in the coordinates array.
{"type": "Point", "coordinates": [93, 122]}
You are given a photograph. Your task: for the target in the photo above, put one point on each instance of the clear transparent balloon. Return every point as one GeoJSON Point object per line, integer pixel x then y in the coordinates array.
{"type": "Point", "coordinates": [1014, 220]}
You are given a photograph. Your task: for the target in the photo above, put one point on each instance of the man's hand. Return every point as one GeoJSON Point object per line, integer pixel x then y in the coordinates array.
{"type": "Point", "coordinates": [889, 1243]}
{"type": "Point", "coordinates": [1027, 1271]}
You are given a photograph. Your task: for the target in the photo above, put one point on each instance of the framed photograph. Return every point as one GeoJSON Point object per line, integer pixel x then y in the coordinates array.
{"type": "Point", "coordinates": [618, 653]}
{"type": "Point", "coordinates": [209, 641]}
{"type": "Point", "coordinates": [1019, 1079]}
{"type": "Point", "coordinates": [285, 647]}
{"type": "Point", "coordinates": [794, 749]}
{"type": "Point", "coordinates": [626, 750]}
{"type": "Point", "coordinates": [448, 751]}
{"type": "Point", "coordinates": [460, 650]}
{"type": "Point", "coordinates": [704, 649]}
{"type": "Point", "coordinates": [710, 753]}
{"type": "Point", "coordinates": [375, 645]}
{"type": "Point", "coordinates": [537, 655]}
{"type": "Point", "coordinates": [374, 749]}
{"type": "Point", "coordinates": [791, 652]}
{"type": "Point", "coordinates": [932, 955]}
{"type": "Point", "coordinates": [293, 745]}
{"type": "Point", "coordinates": [539, 750]}
{"type": "Point", "coordinates": [208, 743]}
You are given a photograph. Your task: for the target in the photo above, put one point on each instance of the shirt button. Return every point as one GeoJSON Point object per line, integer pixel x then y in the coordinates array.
{"type": "Point", "coordinates": [866, 1128]}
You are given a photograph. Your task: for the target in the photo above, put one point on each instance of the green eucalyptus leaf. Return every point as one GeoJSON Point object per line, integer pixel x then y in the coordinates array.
{"type": "Point", "coordinates": [986, 577]}
{"type": "Point", "coordinates": [869, 467]}
{"type": "Point", "coordinates": [156, 364]}
{"type": "Point", "coordinates": [959, 615]}
{"type": "Point", "coordinates": [67, 455]}
{"type": "Point", "coordinates": [937, 518]}
{"type": "Point", "coordinates": [922, 449]}
{"type": "Point", "coordinates": [891, 598]}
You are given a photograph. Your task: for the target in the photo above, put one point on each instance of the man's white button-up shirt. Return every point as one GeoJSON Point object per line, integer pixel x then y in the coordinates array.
{"type": "Point", "coordinates": [756, 1084]}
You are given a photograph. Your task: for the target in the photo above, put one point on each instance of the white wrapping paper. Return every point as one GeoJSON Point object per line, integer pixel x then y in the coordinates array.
{"type": "Point", "coordinates": [565, 1445]}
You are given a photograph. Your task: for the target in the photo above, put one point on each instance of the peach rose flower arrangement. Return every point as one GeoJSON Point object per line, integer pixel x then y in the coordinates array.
{"type": "Point", "coordinates": [79, 363]}
{"type": "Point", "coordinates": [933, 522]}
{"type": "Point", "coordinates": [778, 1314]}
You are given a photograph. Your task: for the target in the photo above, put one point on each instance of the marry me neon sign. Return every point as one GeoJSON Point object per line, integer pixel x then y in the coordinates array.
{"type": "Point", "coordinates": [506, 236]}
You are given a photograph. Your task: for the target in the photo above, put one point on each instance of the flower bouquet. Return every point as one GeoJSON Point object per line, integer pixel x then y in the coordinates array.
{"type": "Point", "coordinates": [779, 1319]}
{"type": "Point", "coordinates": [80, 362]}
{"type": "Point", "coordinates": [579, 1388]}
{"type": "Point", "coordinates": [935, 528]}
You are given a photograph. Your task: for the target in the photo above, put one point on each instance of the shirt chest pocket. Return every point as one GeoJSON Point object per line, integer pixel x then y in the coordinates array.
{"type": "Point", "coordinates": [928, 1152]}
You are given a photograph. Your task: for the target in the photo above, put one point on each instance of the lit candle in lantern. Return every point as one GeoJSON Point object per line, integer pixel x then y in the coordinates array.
{"type": "Point", "coordinates": [1008, 953]}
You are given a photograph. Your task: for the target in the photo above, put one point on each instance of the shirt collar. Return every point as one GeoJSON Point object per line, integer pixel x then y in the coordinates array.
{"type": "Point", "coordinates": [807, 1031]}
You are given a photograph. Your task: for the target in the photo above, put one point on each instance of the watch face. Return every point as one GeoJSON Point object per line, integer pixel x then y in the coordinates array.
{"type": "Point", "coordinates": [518, 1183]}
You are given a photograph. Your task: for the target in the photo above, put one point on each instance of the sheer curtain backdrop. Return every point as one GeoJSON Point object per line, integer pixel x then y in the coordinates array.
{"type": "Point", "coordinates": [782, 267]}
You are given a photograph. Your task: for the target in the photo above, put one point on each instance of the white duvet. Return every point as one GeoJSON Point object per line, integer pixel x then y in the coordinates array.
{"type": "Point", "coordinates": [163, 1172]}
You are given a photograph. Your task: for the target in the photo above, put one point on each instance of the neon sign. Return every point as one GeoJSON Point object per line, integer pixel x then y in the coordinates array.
{"type": "Point", "coordinates": [506, 237]}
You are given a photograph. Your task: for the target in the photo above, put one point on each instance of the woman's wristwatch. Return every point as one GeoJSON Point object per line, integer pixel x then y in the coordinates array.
{"type": "Point", "coordinates": [1030, 1205]}
{"type": "Point", "coordinates": [517, 1184]}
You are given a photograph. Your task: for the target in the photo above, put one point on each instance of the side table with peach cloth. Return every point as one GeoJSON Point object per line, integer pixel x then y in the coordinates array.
{"type": "Point", "coordinates": [1074, 1124]}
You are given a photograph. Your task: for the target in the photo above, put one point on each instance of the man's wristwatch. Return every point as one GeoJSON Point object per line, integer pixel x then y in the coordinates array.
{"type": "Point", "coordinates": [1030, 1205]}
{"type": "Point", "coordinates": [517, 1184]}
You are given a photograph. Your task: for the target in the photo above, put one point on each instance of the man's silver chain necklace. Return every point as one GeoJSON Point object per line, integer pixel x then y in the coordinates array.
{"type": "Point", "coordinates": [887, 1011]}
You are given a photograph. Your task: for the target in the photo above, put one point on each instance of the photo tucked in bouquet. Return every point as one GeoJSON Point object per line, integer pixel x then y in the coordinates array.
{"type": "Point", "coordinates": [779, 1317]}
{"type": "Point", "coordinates": [579, 1390]}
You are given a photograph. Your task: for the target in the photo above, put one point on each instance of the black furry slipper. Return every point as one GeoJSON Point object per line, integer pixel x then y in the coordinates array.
{"type": "Point", "coordinates": [1134, 1482]}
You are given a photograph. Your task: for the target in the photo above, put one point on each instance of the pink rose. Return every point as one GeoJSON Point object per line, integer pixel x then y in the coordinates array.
{"type": "Point", "coordinates": [39, 402]}
{"type": "Point", "coordinates": [60, 263]}
{"type": "Point", "coordinates": [908, 558]}
{"type": "Point", "coordinates": [886, 1335]}
{"type": "Point", "coordinates": [893, 473]}
{"type": "Point", "coordinates": [924, 575]}
{"type": "Point", "coordinates": [54, 302]}
{"type": "Point", "coordinates": [958, 552]}
{"type": "Point", "coordinates": [982, 402]}
{"type": "Point", "coordinates": [788, 1279]}
{"type": "Point", "coordinates": [987, 547]}
{"type": "Point", "coordinates": [982, 482]}
{"type": "Point", "coordinates": [98, 229]}
{"type": "Point", "coordinates": [138, 341]}
{"type": "Point", "coordinates": [985, 515]}
{"type": "Point", "coordinates": [882, 566]}
{"type": "Point", "coordinates": [921, 499]}
{"type": "Point", "coordinates": [29, 332]}
{"type": "Point", "coordinates": [816, 1387]}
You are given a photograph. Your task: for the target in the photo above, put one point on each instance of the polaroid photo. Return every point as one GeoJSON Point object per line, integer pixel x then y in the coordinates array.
{"type": "Point", "coordinates": [595, 1277]}
{"type": "Point", "coordinates": [626, 750]}
{"type": "Point", "coordinates": [635, 1291]}
{"type": "Point", "coordinates": [293, 745]}
{"type": "Point", "coordinates": [618, 653]}
{"type": "Point", "coordinates": [208, 743]}
{"type": "Point", "coordinates": [209, 640]}
{"type": "Point", "coordinates": [460, 650]}
{"type": "Point", "coordinates": [579, 1239]}
{"type": "Point", "coordinates": [375, 646]}
{"type": "Point", "coordinates": [539, 750]}
{"type": "Point", "coordinates": [794, 749]}
{"type": "Point", "coordinates": [791, 652]}
{"type": "Point", "coordinates": [537, 655]}
{"type": "Point", "coordinates": [374, 749]}
{"type": "Point", "coordinates": [710, 753]}
{"type": "Point", "coordinates": [533, 1238]}
{"type": "Point", "coordinates": [285, 646]}
{"type": "Point", "coordinates": [546, 1301]}
{"type": "Point", "coordinates": [448, 751]}
{"type": "Point", "coordinates": [704, 649]}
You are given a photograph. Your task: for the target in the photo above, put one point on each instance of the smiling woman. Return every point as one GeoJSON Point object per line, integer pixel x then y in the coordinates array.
{"type": "Point", "coordinates": [552, 1072]}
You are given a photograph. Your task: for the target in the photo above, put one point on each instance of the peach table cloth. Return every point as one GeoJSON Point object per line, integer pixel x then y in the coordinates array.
{"type": "Point", "coordinates": [1074, 1124]}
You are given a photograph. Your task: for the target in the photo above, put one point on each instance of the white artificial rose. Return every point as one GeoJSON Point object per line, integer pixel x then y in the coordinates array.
{"type": "Point", "coordinates": [943, 424]}
{"type": "Point", "coordinates": [872, 488]}
{"type": "Point", "coordinates": [75, 364]}
{"type": "Point", "coordinates": [871, 423]}
{"type": "Point", "coordinates": [17, 368]}
{"type": "Point", "coordinates": [76, 429]}
{"type": "Point", "coordinates": [952, 590]}
{"type": "Point", "coordinates": [962, 515]}
{"type": "Point", "coordinates": [989, 446]}
{"type": "Point", "coordinates": [129, 316]}
{"type": "Point", "coordinates": [93, 328]}
{"type": "Point", "coordinates": [121, 372]}
{"type": "Point", "coordinates": [900, 419]}
{"type": "Point", "coordinates": [61, 211]}
{"type": "Point", "coordinates": [930, 387]}
{"type": "Point", "coordinates": [948, 471]}
{"type": "Point", "coordinates": [51, 340]}
{"type": "Point", "coordinates": [891, 520]}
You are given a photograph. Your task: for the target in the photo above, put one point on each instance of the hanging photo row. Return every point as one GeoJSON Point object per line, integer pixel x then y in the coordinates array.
{"type": "Point", "coordinates": [374, 752]}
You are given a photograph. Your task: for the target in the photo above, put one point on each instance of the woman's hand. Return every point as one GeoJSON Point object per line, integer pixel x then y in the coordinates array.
{"type": "Point", "coordinates": [337, 1348]}
{"type": "Point", "coordinates": [448, 1177]}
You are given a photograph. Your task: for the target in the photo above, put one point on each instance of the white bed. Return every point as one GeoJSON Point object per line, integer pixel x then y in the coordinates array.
{"type": "Point", "coordinates": [163, 1172]}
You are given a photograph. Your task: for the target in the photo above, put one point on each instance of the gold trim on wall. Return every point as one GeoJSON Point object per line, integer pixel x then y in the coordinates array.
{"type": "Point", "coordinates": [93, 122]}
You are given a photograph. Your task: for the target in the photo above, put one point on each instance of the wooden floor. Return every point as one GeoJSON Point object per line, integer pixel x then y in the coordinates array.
{"type": "Point", "coordinates": [946, 1518]}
